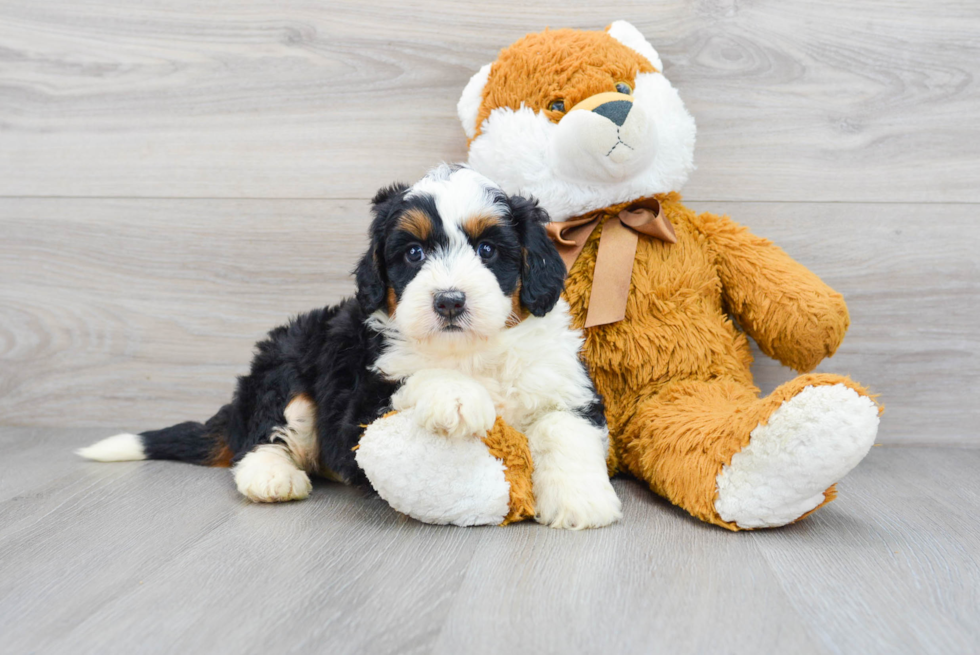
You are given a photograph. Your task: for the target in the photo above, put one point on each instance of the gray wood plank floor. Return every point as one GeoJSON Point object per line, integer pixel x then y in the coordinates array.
{"type": "Point", "coordinates": [162, 557]}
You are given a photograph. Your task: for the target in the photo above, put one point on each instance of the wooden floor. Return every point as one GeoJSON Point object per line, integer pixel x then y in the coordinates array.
{"type": "Point", "coordinates": [158, 557]}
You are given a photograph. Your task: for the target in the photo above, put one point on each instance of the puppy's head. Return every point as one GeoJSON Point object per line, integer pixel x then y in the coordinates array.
{"type": "Point", "coordinates": [453, 258]}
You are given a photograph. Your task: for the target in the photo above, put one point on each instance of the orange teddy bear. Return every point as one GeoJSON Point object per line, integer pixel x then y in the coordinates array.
{"type": "Point", "coordinates": [585, 122]}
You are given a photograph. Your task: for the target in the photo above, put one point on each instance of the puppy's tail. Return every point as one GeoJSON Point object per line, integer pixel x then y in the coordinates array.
{"type": "Point", "coordinates": [197, 443]}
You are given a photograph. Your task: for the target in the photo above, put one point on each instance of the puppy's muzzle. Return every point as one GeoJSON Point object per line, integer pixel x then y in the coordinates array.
{"type": "Point", "coordinates": [449, 304]}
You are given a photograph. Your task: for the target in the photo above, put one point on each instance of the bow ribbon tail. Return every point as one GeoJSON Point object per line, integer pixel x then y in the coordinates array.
{"type": "Point", "coordinates": [570, 237]}
{"type": "Point", "coordinates": [614, 260]}
{"type": "Point", "coordinates": [613, 273]}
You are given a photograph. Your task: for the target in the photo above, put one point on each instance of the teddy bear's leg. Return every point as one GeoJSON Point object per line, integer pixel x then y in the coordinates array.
{"type": "Point", "coordinates": [738, 461]}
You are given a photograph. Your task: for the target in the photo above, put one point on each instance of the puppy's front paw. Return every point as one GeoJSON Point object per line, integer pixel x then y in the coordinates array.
{"type": "Point", "coordinates": [268, 475]}
{"type": "Point", "coordinates": [448, 403]}
{"type": "Point", "coordinates": [465, 412]}
{"type": "Point", "coordinates": [573, 502]}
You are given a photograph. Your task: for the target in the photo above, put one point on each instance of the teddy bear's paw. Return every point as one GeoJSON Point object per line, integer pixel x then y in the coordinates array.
{"type": "Point", "coordinates": [575, 502]}
{"type": "Point", "coordinates": [268, 475]}
{"type": "Point", "coordinates": [445, 403]}
{"type": "Point", "coordinates": [809, 443]}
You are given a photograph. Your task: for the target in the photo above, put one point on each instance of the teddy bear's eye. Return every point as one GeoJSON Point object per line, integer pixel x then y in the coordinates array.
{"type": "Point", "coordinates": [557, 105]}
{"type": "Point", "coordinates": [624, 88]}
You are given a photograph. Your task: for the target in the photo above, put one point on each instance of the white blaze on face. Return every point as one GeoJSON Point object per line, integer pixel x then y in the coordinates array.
{"type": "Point", "coordinates": [459, 195]}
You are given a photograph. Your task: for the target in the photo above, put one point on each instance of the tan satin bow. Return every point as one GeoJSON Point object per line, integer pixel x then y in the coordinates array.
{"type": "Point", "coordinates": [617, 248]}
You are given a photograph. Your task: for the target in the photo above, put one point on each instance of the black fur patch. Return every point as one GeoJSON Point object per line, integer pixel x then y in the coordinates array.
{"type": "Point", "coordinates": [594, 412]}
{"type": "Point", "coordinates": [543, 272]}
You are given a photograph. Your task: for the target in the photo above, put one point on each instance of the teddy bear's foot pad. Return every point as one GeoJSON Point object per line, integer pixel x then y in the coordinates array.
{"type": "Point", "coordinates": [809, 443]}
{"type": "Point", "coordinates": [431, 477]}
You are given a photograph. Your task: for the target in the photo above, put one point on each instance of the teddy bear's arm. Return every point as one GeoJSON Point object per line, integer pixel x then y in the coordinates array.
{"type": "Point", "coordinates": [790, 312]}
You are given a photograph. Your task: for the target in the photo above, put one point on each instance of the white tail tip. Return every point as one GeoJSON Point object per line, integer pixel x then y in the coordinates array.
{"type": "Point", "coordinates": [120, 448]}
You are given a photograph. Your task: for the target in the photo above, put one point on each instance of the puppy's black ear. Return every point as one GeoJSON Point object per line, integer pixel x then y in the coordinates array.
{"type": "Point", "coordinates": [386, 193]}
{"type": "Point", "coordinates": [543, 271]}
{"type": "Point", "coordinates": [370, 279]}
{"type": "Point", "coordinates": [372, 282]}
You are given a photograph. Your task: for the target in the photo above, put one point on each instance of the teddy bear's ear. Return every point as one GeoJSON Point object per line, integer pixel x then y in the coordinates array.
{"type": "Point", "coordinates": [469, 103]}
{"type": "Point", "coordinates": [630, 37]}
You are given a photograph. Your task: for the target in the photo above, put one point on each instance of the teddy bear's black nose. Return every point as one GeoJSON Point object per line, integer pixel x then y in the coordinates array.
{"type": "Point", "coordinates": [616, 110]}
{"type": "Point", "coordinates": [449, 304]}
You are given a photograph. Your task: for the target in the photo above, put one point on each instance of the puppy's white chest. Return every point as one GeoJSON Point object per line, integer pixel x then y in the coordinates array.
{"type": "Point", "coordinates": [508, 399]}
{"type": "Point", "coordinates": [528, 370]}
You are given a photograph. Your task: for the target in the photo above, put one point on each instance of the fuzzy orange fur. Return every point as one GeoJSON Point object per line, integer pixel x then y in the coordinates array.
{"type": "Point", "coordinates": [510, 446]}
{"type": "Point", "coordinates": [675, 373]}
{"type": "Point", "coordinates": [567, 65]}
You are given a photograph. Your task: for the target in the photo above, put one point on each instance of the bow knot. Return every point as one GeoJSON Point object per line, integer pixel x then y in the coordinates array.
{"type": "Point", "coordinates": [617, 249]}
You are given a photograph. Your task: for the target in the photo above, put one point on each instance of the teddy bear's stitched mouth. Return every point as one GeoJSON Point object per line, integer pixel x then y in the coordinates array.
{"type": "Point", "coordinates": [619, 142]}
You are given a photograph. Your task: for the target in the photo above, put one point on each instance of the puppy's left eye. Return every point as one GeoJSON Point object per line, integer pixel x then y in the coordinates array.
{"type": "Point", "coordinates": [486, 250]}
{"type": "Point", "coordinates": [624, 88]}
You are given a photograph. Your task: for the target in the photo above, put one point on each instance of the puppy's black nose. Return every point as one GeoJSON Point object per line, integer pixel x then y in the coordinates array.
{"type": "Point", "coordinates": [616, 111]}
{"type": "Point", "coordinates": [449, 304]}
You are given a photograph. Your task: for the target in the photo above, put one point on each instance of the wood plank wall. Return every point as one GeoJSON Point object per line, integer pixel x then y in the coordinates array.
{"type": "Point", "coordinates": [177, 177]}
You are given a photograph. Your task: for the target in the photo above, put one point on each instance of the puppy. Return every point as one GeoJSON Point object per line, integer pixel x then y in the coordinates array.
{"type": "Point", "coordinates": [458, 315]}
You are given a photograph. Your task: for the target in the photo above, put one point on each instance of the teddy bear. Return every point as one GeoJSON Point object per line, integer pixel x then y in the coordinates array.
{"type": "Point", "coordinates": [586, 123]}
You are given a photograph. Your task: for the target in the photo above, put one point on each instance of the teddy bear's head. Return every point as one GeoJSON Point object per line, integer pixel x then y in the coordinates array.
{"type": "Point", "coordinates": [580, 119]}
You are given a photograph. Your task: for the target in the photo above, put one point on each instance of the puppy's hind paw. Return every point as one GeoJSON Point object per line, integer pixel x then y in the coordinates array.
{"type": "Point", "coordinates": [268, 475]}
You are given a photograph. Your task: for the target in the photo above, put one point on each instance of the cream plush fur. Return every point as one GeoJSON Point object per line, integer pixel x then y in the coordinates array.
{"type": "Point", "coordinates": [450, 481]}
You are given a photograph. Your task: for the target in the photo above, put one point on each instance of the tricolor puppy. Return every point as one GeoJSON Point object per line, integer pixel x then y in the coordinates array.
{"type": "Point", "coordinates": [458, 315]}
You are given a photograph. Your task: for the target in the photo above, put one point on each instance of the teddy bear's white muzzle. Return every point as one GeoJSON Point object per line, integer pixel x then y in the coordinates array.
{"type": "Point", "coordinates": [610, 143]}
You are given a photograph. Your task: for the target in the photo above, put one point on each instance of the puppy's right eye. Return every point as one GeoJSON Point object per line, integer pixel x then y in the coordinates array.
{"type": "Point", "coordinates": [486, 250]}
{"type": "Point", "coordinates": [414, 254]}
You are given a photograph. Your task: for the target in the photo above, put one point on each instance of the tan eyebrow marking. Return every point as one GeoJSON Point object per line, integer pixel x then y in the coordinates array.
{"type": "Point", "coordinates": [474, 226]}
{"type": "Point", "coordinates": [416, 222]}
